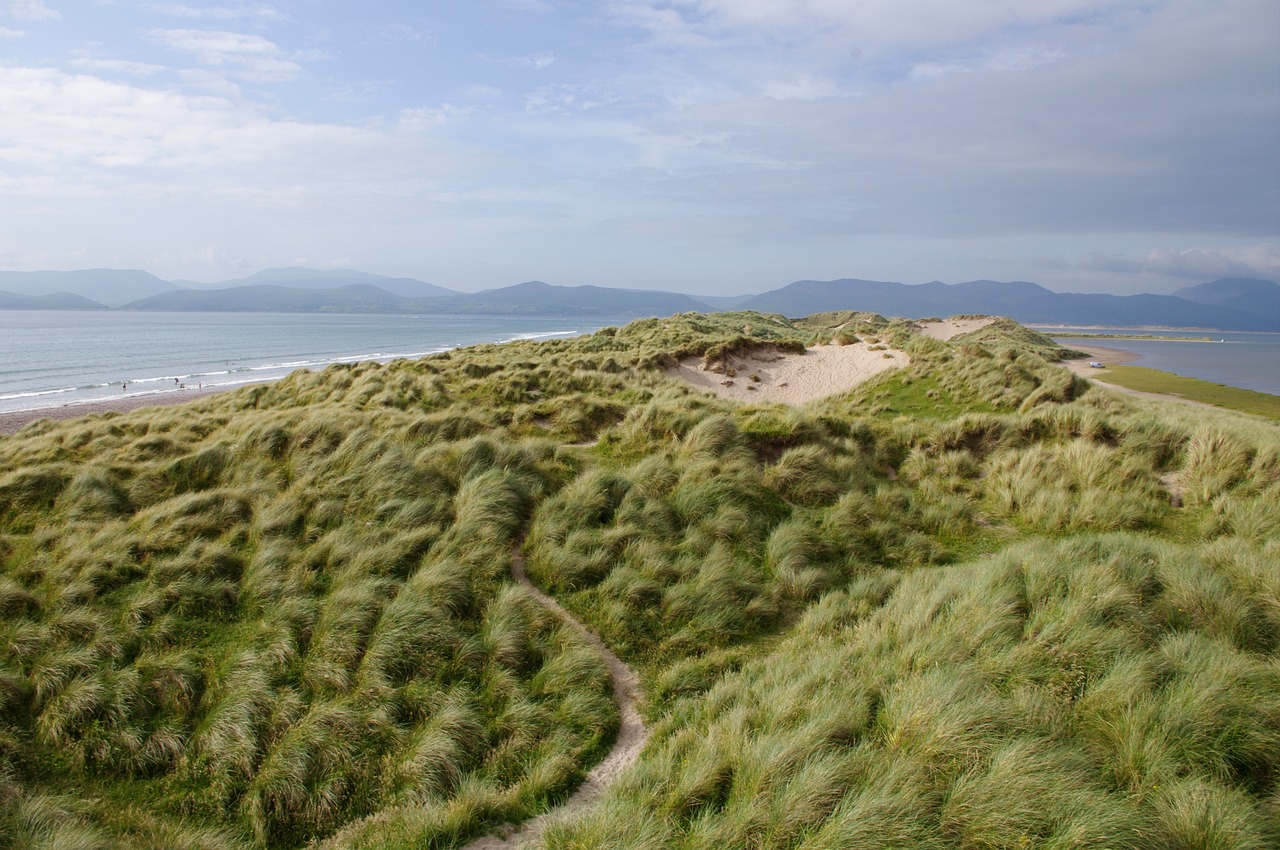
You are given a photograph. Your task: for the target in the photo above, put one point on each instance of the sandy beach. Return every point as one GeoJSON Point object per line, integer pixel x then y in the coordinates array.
{"type": "Point", "coordinates": [1106, 356]}
{"type": "Point", "coordinates": [11, 423]}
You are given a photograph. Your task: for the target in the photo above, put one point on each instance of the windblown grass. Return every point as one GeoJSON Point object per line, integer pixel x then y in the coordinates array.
{"type": "Point", "coordinates": [968, 604]}
{"type": "Point", "coordinates": [260, 622]}
{"type": "Point", "coordinates": [1058, 695]}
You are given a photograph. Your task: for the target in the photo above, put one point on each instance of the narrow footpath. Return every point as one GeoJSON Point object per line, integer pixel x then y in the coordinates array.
{"type": "Point", "coordinates": [632, 732]}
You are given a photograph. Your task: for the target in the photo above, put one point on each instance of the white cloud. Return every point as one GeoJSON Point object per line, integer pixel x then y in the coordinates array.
{"type": "Point", "coordinates": [1014, 59]}
{"type": "Point", "coordinates": [567, 98]}
{"type": "Point", "coordinates": [82, 145]}
{"type": "Point", "coordinates": [248, 56]}
{"type": "Point", "coordinates": [31, 10]}
{"type": "Point", "coordinates": [668, 27]}
{"type": "Point", "coordinates": [6, 32]}
{"type": "Point", "coordinates": [483, 92]}
{"type": "Point", "coordinates": [399, 33]}
{"type": "Point", "coordinates": [538, 61]}
{"type": "Point", "coordinates": [1204, 264]}
{"type": "Point", "coordinates": [82, 129]}
{"type": "Point", "coordinates": [220, 13]}
{"type": "Point", "coordinates": [1200, 264]}
{"type": "Point", "coordinates": [539, 6]}
{"type": "Point", "coordinates": [880, 23]}
{"type": "Point", "coordinates": [117, 66]}
{"type": "Point", "coordinates": [423, 118]}
{"type": "Point", "coordinates": [801, 87]}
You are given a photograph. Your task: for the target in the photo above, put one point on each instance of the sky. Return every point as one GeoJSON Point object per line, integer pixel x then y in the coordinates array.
{"type": "Point", "coordinates": [711, 147]}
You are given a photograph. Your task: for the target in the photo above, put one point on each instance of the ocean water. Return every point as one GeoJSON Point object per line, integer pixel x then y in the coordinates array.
{"type": "Point", "coordinates": [1247, 360]}
{"type": "Point", "coordinates": [51, 358]}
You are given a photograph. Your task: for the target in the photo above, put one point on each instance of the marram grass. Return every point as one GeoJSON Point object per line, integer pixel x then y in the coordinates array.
{"type": "Point", "coordinates": [971, 603]}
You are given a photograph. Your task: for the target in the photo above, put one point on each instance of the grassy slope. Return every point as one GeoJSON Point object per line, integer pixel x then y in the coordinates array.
{"type": "Point", "coordinates": [969, 604]}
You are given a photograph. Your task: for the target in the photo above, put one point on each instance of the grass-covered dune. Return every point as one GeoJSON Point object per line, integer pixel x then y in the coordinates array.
{"type": "Point", "coordinates": [972, 603]}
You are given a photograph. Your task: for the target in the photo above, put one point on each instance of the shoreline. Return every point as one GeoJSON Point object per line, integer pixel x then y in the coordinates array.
{"type": "Point", "coordinates": [1139, 338]}
{"type": "Point", "coordinates": [15, 420]}
{"type": "Point", "coordinates": [1113, 356]}
{"type": "Point", "coordinates": [1048, 330]}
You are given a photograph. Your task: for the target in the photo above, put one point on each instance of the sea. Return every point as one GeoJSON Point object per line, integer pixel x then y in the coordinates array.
{"type": "Point", "coordinates": [53, 358]}
{"type": "Point", "coordinates": [1247, 360]}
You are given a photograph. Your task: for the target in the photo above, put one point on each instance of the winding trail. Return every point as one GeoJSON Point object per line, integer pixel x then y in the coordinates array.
{"type": "Point", "coordinates": [632, 733]}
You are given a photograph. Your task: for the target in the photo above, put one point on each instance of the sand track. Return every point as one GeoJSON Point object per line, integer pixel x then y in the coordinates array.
{"type": "Point", "coordinates": [632, 732]}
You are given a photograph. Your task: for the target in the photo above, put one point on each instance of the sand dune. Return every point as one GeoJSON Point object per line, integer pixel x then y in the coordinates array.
{"type": "Point", "coordinates": [769, 375]}
{"type": "Point", "coordinates": [945, 330]}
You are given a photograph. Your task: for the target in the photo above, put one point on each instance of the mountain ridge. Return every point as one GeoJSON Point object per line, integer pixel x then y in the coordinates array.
{"type": "Point", "coordinates": [1022, 301]}
{"type": "Point", "coordinates": [1226, 304]}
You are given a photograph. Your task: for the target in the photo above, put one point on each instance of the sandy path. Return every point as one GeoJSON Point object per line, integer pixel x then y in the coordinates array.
{"type": "Point", "coordinates": [632, 732]}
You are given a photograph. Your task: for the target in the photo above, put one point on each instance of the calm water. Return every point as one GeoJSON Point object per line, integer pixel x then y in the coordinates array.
{"type": "Point", "coordinates": [49, 359]}
{"type": "Point", "coordinates": [1247, 360]}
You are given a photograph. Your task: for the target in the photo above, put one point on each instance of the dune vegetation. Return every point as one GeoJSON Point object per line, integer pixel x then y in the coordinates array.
{"type": "Point", "coordinates": [972, 603]}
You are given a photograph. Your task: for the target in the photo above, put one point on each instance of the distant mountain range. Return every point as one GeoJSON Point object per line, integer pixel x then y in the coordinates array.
{"type": "Point", "coordinates": [536, 297]}
{"type": "Point", "coordinates": [1231, 304]}
{"type": "Point", "coordinates": [108, 287]}
{"type": "Point", "coordinates": [1245, 305]}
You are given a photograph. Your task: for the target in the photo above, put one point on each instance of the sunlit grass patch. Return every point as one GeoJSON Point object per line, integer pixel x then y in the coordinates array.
{"type": "Point", "coordinates": [1157, 381]}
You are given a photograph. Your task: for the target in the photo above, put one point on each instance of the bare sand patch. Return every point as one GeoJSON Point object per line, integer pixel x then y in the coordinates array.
{"type": "Point", "coordinates": [946, 329]}
{"type": "Point", "coordinates": [769, 375]}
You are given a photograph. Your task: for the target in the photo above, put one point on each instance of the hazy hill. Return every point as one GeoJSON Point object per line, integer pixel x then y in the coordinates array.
{"type": "Point", "coordinates": [1229, 304]}
{"type": "Point", "coordinates": [1244, 294]}
{"type": "Point", "coordinates": [55, 301]}
{"type": "Point", "coordinates": [534, 298]}
{"type": "Point", "coordinates": [539, 297]}
{"type": "Point", "coordinates": [299, 277]}
{"type": "Point", "coordinates": [270, 298]}
{"type": "Point", "coordinates": [725, 302]}
{"type": "Point", "coordinates": [112, 287]}
{"type": "Point", "coordinates": [1020, 300]}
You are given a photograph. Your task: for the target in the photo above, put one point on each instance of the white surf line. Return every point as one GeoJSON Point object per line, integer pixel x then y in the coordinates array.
{"type": "Point", "coordinates": [632, 733]}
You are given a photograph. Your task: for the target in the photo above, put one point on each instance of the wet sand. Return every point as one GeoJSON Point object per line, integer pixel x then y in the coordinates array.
{"type": "Point", "coordinates": [11, 423]}
{"type": "Point", "coordinates": [1106, 356]}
